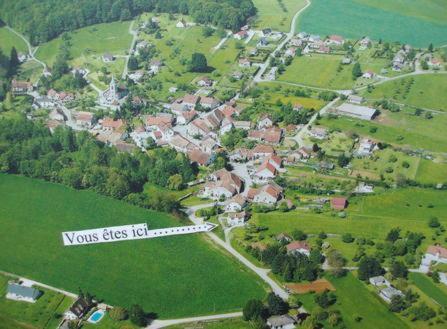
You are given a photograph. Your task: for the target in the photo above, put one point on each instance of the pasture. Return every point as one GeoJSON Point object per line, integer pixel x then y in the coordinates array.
{"type": "Point", "coordinates": [276, 14]}
{"type": "Point", "coordinates": [354, 299]}
{"type": "Point", "coordinates": [152, 272]}
{"type": "Point", "coordinates": [436, 291]}
{"type": "Point", "coordinates": [407, 21]}
{"type": "Point", "coordinates": [8, 40]}
{"type": "Point", "coordinates": [14, 314]}
{"type": "Point", "coordinates": [424, 91]}
{"type": "Point", "coordinates": [90, 42]}
{"type": "Point", "coordinates": [403, 129]}
{"type": "Point", "coordinates": [319, 71]}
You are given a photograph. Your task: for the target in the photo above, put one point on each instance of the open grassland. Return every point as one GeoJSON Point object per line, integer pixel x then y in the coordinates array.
{"type": "Point", "coordinates": [427, 91]}
{"type": "Point", "coordinates": [402, 129]}
{"type": "Point", "coordinates": [8, 40]}
{"type": "Point", "coordinates": [354, 299]}
{"type": "Point", "coordinates": [368, 216]}
{"type": "Point", "coordinates": [435, 291]}
{"type": "Point", "coordinates": [152, 272]}
{"type": "Point", "coordinates": [319, 71]}
{"type": "Point", "coordinates": [276, 14]}
{"type": "Point", "coordinates": [92, 41]}
{"type": "Point", "coordinates": [15, 314]}
{"type": "Point", "coordinates": [408, 21]}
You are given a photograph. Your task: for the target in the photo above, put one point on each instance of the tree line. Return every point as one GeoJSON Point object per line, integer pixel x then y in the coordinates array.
{"type": "Point", "coordinates": [46, 19]}
{"type": "Point", "coordinates": [80, 161]}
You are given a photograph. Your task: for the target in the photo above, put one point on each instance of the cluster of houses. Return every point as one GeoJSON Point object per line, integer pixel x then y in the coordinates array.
{"type": "Point", "coordinates": [386, 290]}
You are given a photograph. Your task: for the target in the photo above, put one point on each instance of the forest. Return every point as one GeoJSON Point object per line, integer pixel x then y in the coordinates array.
{"type": "Point", "coordinates": [44, 20]}
{"type": "Point", "coordinates": [81, 162]}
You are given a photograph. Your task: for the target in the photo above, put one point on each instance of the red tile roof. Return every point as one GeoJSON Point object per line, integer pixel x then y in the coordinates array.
{"type": "Point", "coordinates": [435, 250]}
{"type": "Point", "coordinates": [339, 203]}
{"type": "Point", "coordinates": [296, 245]}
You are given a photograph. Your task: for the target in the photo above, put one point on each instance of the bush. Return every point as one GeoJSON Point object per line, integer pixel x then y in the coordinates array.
{"type": "Point", "coordinates": [347, 238]}
{"type": "Point", "coordinates": [118, 313]}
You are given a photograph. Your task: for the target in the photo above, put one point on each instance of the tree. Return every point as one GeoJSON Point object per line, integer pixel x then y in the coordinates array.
{"type": "Point", "coordinates": [325, 299]}
{"type": "Point", "coordinates": [421, 312]}
{"type": "Point", "coordinates": [276, 305]}
{"type": "Point", "coordinates": [336, 261]}
{"type": "Point", "coordinates": [133, 63]}
{"type": "Point", "coordinates": [207, 31]}
{"type": "Point", "coordinates": [434, 222]}
{"type": "Point", "coordinates": [343, 160]}
{"type": "Point", "coordinates": [347, 238]}
{"type": "Point", "coordinates": [299, 235]}
{"type": "Point", "coordinates": [430, 47]}
{"type": "Point", "coordinates": [118, 313]}
{"type": "Point", "coordinates": [398, 270]}
{"type": "Point", "coordinates": [393, 234]}
{"type": "Point", "coordinates": [397, 304]}
{"type": "Point", "coordinates": [13, 62]}
{"type": "Point", "coordinates": [175, 182]}
{"type": "Point", "coordinates": [356, 71]}
{"type": "Point", "coordinates": [253, 309]}
{"type": "Point", "coordinates": [369, 267]}
{"type": "Point", "coordinates": [198, 63]}
{"type": "Point", "coordinates": [137, 315]}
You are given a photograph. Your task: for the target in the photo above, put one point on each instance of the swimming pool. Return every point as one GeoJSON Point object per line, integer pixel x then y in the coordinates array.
{"type": "Point", "coordinates": [96, 316]}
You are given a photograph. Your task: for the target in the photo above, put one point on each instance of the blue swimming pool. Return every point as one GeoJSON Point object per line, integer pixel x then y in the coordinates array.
{"type": "Point", "coordinates": [96, 316]}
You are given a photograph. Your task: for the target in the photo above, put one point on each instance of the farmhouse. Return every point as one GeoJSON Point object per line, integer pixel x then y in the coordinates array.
{"type": "Point", "coordinates": [368, 75]}
{"type": "Point", "coordinates": [437, 254]}
{"type": "Point", "coordinates": [268, 194]}
{"type": "Point", "coordinates": [222, 184]}
{"type": "Point", "coordinates": [21, 87]}
{"type": "Point", "coordinates": [241, 35]}
{"type": "Point", "coordinates": [265, 172]}
{"type": "Point", "coordinates": [366, 147]}
{"type": "Point", "coordinates": [339, 203]}
{"type": "Point", "coordinates": [107, 58]}
{"type": "Point", "coordinates": [357, 111]}
{"type": "Point", "coordinates": [181, 144]}
{"type": "Point", "coordinates": [298, 247]}
{"type": "Point", "coordinates": [84, 119]}
{"type": "Point", "coordinates": [335, 40]}
{"type": "Point", "coordinates": [265, 122]}
{"type": "Point", "coordinates": [281, 322]}
{"type": "Point", "coordinates": [388, 293]}
{"type": "Point", "coordinates": [237, 218]}
{"type": "Point", "coordinates": [262, 151]}
{"type": "Point", "coordinates": [22, 293]}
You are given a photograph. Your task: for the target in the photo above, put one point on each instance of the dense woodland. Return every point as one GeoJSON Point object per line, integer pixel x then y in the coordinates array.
{"type": "Point", "coordinates": [46, 19]}
{"type": "Point", "coordinates": [79, 161]}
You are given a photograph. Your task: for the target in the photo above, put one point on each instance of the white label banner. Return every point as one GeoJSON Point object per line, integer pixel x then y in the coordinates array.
{"type": "Point", "coordinates": [128, 232]}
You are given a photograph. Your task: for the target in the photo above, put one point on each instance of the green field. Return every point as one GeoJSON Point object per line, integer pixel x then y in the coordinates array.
{"type": "Point", "coordinates": [90, 42]}
{"type": "Point", "coordinates": [402, 129]}
{"type": "Point", "coordinates": [272, 14]}
{"type": "Point", "coordinates": [437, 292]}
{"type": "Point", "coordinates": [368, 216]}
{"type": "Point", "coordinates": [408, 21]}
{"type": "Point", "coordinates": [428, 91]}
{"type": "Point", "coordinates": [354, 299]}
{"type": "Point", "coordinates": [153, 272]}
{"type": "Point", "coordinates": [319, 71]}
{"type": "Point", "coordinates": [15, 314]}
{"type": "Point", "coordinates": [8, 40]}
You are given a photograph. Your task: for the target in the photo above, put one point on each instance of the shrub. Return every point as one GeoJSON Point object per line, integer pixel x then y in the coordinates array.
{"type": "Point", "coordinates": [118, 313]}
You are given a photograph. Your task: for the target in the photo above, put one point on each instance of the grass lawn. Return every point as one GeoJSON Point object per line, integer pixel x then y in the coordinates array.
{"type": "Point", "coordinates": [402, 129]}
{"type": "Point", "coordinates": [407, 21]}
{"type": "Point", "coordinates": [319, 71]}
{"type": "Point", "coordinates": [152, 272]}
{"type": "Point", "coordinates": [236, 323]}
{"type": "Point", "coordinates": [354, 299]}
{"type": "Point", "coordinates": [14, 314]}
{"type": "Point", "coordinates": [9, 40]}
{"type": "Point", "coordinates": [368, 216]}
{"type": "Point", "coordinates": [108, 323]}
{"type": "Point", "coordinates": [275, 14]}
{"type": "Point", "coordinates": [427, 91]}
{"type": "Point", "coordinates": [437, 292]}
{"type": "Point", "coordinates": [91, 41]}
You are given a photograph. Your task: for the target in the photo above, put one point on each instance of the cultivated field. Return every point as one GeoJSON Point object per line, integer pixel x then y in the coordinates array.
{"type": "Point", "coordinates": [276, 14]}
{"type": "Point", "coordinates": [407, 21]}
{"type": "Point", "coordinates": [319, 285]}
{"type": "Point", "coordinates": [426, 91]}
{"type": "Point", "coordinates": [152, 273]}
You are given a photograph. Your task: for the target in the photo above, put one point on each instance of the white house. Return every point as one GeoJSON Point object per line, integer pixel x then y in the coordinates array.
{"type": "Point", "coordinates": [22, 293]}
{"type": "Point", "coordinates": [366, 147]}
{"type": "Point", "coordinates": [318, 133]}
{"type": "Point", "coordinates": [236, 204]}
{"type": "Point", "coordinates": [298, 247]}
{"type": "Point", "coordinates": [281, 322]}
{"type": "Point", "coordinates": [222, 184]}
{"type": "Point", "coordinates": [265, 122]}
{"type": "Point", "coordinates": [237, 218]}
{"type": "Point", "coordinates": [265, 172]}
{"type": "Point", "coordinates": [389, 292]}
{"type": "Point", "coordinates": [268, 194]}
{"type": "Point", "coordinates": [379, 281]}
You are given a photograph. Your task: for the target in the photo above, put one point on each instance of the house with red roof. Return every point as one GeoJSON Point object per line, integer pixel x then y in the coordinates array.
{"type": "Point", "coordinates": [298, 247]}
{"type": "Point", "coordinates": [339, 203]}
{"type": "Point", "coordinates": [268, 194]}
{"type": "Point", "coordinates": [335, 40]}
{"type": "Point", "coordinates": [437, 253]}
{"type": "Point", "coordinates": [265, 172]}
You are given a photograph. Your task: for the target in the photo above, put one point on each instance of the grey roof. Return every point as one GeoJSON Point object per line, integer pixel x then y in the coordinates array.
{"type": "Point", "coordinates": [390, 292]}
{"type": "Point", "coordinates": [280, 320]}
{"type": "Point", "coordinates": [23, 291]}
{"type": "Point", "coordinates": [356, 110]}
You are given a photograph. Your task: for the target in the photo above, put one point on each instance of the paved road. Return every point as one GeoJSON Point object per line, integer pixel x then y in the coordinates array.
{"type": "Point", "coordinates": [165, 323]}
{"type": "Point", "coordinates": [221, 42]}
{"type": "Point", "coordinates": [132, 45]}
{"type": "Point", "coordinates": [261, 272]}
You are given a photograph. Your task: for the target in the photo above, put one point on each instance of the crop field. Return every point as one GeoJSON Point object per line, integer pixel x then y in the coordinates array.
{"type": "Point", "coordinates": [8, 40]}
{"type": "Point", "coordinates": [408, 21]}
{"type": "Point", "coordinates": [319, 285]}
{"type": "Point", "coordinates": [92, 41]}
{"type": "Point", "coordinates": [436, 292]}
{"type": "Point", "coordinates": [425, 91]}
{"type": "Point", "coordinates": [276, 14]}
{"type": "Point", "coordinates": [368, 216]}
{"type": "Point", "coordinates": [152, 272]}
{"type": "Point", "coordinates": [319, 71]}
{"type": "Point", "coordinates": [402, 129]}
{"type": "Point", "coordinates": [354, 299]}
{"type": "Point", "coordinates": [14, 314]}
